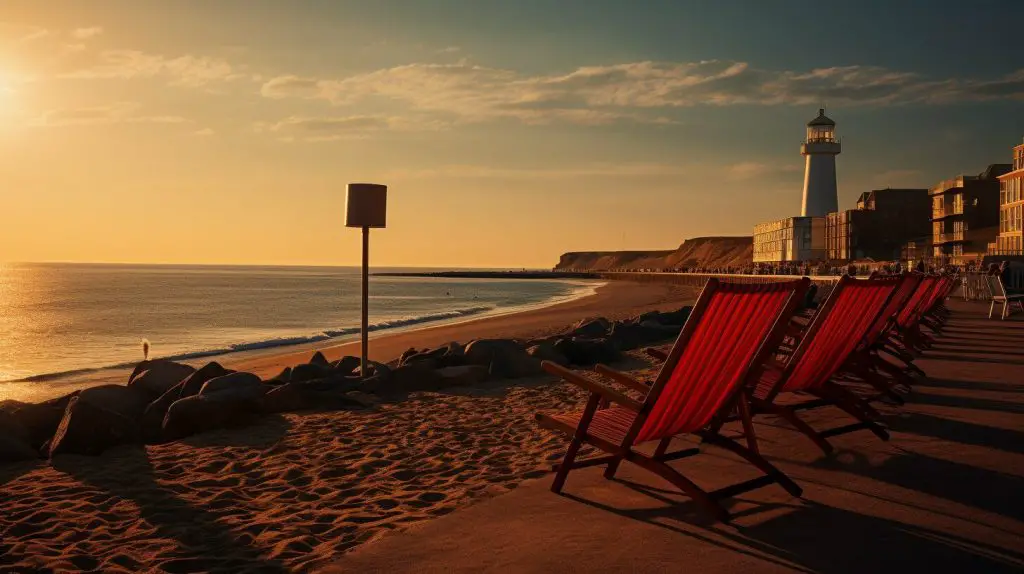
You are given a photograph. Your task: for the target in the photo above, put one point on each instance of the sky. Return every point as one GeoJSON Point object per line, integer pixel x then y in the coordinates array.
{"type": "Point", "coordinates": [225, 132]}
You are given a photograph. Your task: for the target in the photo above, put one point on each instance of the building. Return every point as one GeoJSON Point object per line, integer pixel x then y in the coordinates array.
{"type": "Point", "coordinates": [965, 215]}
{"type": "Point", "coordinates": [1011, 203]}
{"type": "Point", "coordinates": [820, 149]}
{"type": "Point", "coordinates": [794, 239]}
{"type": "Point", "coordinates": [884, 221]}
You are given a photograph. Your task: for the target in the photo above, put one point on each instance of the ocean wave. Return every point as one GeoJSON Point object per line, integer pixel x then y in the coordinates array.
{"type": "Point", "coordinates": [272, 343]}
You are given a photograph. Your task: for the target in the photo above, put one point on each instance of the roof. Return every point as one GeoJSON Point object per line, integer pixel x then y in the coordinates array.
{"type": "Point", "coordinates": [821, 120]}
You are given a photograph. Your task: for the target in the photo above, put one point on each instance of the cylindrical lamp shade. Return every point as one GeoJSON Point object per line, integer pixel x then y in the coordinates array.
{"type": "Point", "coordinates": [366, 205]}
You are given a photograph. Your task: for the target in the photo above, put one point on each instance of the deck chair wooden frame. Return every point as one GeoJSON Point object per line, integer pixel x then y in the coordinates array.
{"type": "Point", "coordinates": [821, 384]}
{"type": "Point", "coordinates": [662, 410]}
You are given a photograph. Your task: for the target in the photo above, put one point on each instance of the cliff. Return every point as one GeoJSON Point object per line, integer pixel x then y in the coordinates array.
{"type": "Point", "coordinates": [707, 252]}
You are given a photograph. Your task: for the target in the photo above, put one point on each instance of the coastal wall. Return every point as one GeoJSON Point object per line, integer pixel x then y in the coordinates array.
{"type": "Point", "coordinates": [708, 252]}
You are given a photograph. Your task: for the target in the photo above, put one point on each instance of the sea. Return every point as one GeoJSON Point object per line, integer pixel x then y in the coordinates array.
{"type": "Point", "coordinates": [59, 320]}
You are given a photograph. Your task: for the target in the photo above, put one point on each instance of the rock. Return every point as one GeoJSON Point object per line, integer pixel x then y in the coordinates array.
{"type": "Point", "coordinates": [591, 328]}
{"type": "Point", "coordinates": [90, 429]}
{"type": "Point", "coordinates": [410, 352]}
{"type": "Point", "coordinates": [546, 351]}
{"type": "Point", "coordinates": [677, 317]}
{"type": "Point", "coordinates": [40, 420]}
{"type": "Point", "coordinates": [159, 376]}
{"type": "Point", "coordinates": [280, 378]}
{"type": "Point", "coordinates": [309, 372]}
{"type": "Point", "coordinates": [192, 385]}
{"type": "Point", "coordinates": [201, 413]}
{"type": "Point", "coordinates": [417, 376]}
{"type": "Point", "coordinates": [380, 370]}
{"type": "Point", "coordinates": [346, 365]}
{"type": "Point", "coordinates": [505, 358]}
{"type": "Point", "coordinates": [625, 336]}
{"type": "Point", "coordinates": [309, 395]}
{"type": "Point", "coordinates": [14, 439]}
{"type": "Point", "coordinates": [465, 375]}
{"type": "Point", "coordinates": [239, 386]}
{"type": "Point", "coordinates": [153, 416]}
{"type": "Point", "coordinates": [318, 358]}
{"type": "Point", "coordinates": [426, 355]}
{"type": "Point", "coordinates": [13, 449]}
{"type": "Point", "coordinates": [586, 351]}
{"type": "Point", "coordinates": [129, 402]}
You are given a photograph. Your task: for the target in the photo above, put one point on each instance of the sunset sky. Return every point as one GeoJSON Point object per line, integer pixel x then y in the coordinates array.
{"type": "Point", "coordinates": [200, 131]}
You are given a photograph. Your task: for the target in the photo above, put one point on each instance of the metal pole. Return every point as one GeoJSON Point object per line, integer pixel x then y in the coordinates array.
{"type": "Point", "coordinates": [366, 300]}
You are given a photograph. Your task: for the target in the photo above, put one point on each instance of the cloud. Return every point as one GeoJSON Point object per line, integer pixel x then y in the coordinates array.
{"type": "Point", "coordinates": [205, 132]}
{"type": "Point", "coordinates": [21, 33]}
{"type": "Point", "coordinates": [637, 92]}
{"type": "Point", "coordinates": [86, 33]}
{"type": "Point", "coordinates": [317, 129]}
{"type": "Point", "coordinates": [188, 70]}
{"type": "Point", "coordinates": [630, 170]}
{"type": "Point", "coordinates": [449, 50]}
{"type": "Point", "coordinates": [119, 113]}
{"type": "Point", "coordinates": [751, 170]}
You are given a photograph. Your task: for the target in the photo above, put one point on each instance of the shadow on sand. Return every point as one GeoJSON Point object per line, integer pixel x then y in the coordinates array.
{"type": "Point", "coordinates": [205, 544]}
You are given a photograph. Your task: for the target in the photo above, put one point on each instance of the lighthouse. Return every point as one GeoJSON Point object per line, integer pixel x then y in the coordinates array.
{"type": "Point", "coordinates": [820, 148]}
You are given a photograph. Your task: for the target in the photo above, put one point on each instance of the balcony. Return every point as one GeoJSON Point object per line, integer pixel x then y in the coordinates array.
{"type": "Point", "coordinates": [946, 185]}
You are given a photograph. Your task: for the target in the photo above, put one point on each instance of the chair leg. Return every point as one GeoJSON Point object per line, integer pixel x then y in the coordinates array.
{"type": "Point", "coordinates": [991, 308]}
{"type": "Point", "coordinates": [699, 496]}
{"type": "Point", "coordinates": [791, 417]}
{"type": "Point", "coordinates": [613, 466]}
{"type": "Point", "coordinates": [757, 460]}
{"type": "Point", "coordinates": [563, 470]}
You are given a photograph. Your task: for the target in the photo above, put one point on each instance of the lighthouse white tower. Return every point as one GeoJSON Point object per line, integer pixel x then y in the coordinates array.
{"type": "Point", "coordinates": [821, 148]}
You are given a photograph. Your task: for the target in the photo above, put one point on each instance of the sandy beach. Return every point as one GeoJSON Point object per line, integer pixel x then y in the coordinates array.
{"type": "Point", "coordinates": [296, 490]}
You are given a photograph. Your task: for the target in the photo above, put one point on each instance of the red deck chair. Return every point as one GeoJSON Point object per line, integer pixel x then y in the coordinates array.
{"type": "Point", "coordinates": [837, 330]}
{"type": "Point", "coordinates": [730, 333]}
{"type": "Point", "coordinates": [865, 363]}
{"type": "Point", "coordinates": [905, 341]}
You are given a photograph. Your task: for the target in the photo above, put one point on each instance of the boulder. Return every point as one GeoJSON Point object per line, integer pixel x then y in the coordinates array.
{"type": "Point", "coordinates": [280, 378]}
{"type": "Point", "coordinates": [346, 365]}
{"type": "Point", "coordinates": [309, 372]}
{"type": "Point", "coordinates": [580, 351]}
{"type": "Point", "coordinates": [244, 387]}
{"type": "Point", "coordinates": [625, 336]}
{"type": "Point", "coordinates": [158, 376]}
{"type": "Point", "coordinates": [410, 352]}
{"type": "Point", "coordinates": [39, 420]}
{"type": "Point", "coordinates": [192, 385]}
{"type": "Point", "coordinates": [318, 358]}
{"type": "Point", "coordinates": [14, 441]}
{"type": "Point", "coordinates": [462, 376]}
{"type": "Point", "coordinates": [129, 402]}
{"type": "Point", "coordinates": [13, 449]}
{"type": "Point", "coordinates": [546, 351]}
{"type": "Point", "coordinates": [591, 328]}
{"type": "Point", "coordinates": [153, 416]}
{"type": "Point", "coordinates": [201, 413]}
{"type": "Point", "coordinates": [677, 317]}
{"type": "Point", "coordinates": [417, 376]}
{"type": "Point", "coordinates": [504, 357]}
{"type": "Point", "coordinates": [310, 395]}
{"type": "Point", "coordinates": [89, 429]}
{"type": "Point", "coordinates": [379, 370]}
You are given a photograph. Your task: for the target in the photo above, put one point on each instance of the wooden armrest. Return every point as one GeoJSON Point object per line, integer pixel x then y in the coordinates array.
{"type": "Point", "coordinates": [593, 386]}
{"type": "Point", "coordinates": [622, 378]}
{"type": "Point", "coordinates": [656, 354]}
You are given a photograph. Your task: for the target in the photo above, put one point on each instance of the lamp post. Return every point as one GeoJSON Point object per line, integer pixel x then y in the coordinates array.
{"type": "Point", "coordinates": [366, 207]}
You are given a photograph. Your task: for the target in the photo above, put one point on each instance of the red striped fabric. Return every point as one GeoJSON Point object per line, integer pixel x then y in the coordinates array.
{"type": "Point", "coordinates": [909, 314]}
{"type": "Point", "coordinates": [843, 326]}
{"type": "Point", "coordinates": [717, 357]}
{"type": "Point", "coordinates": [907, 286]}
